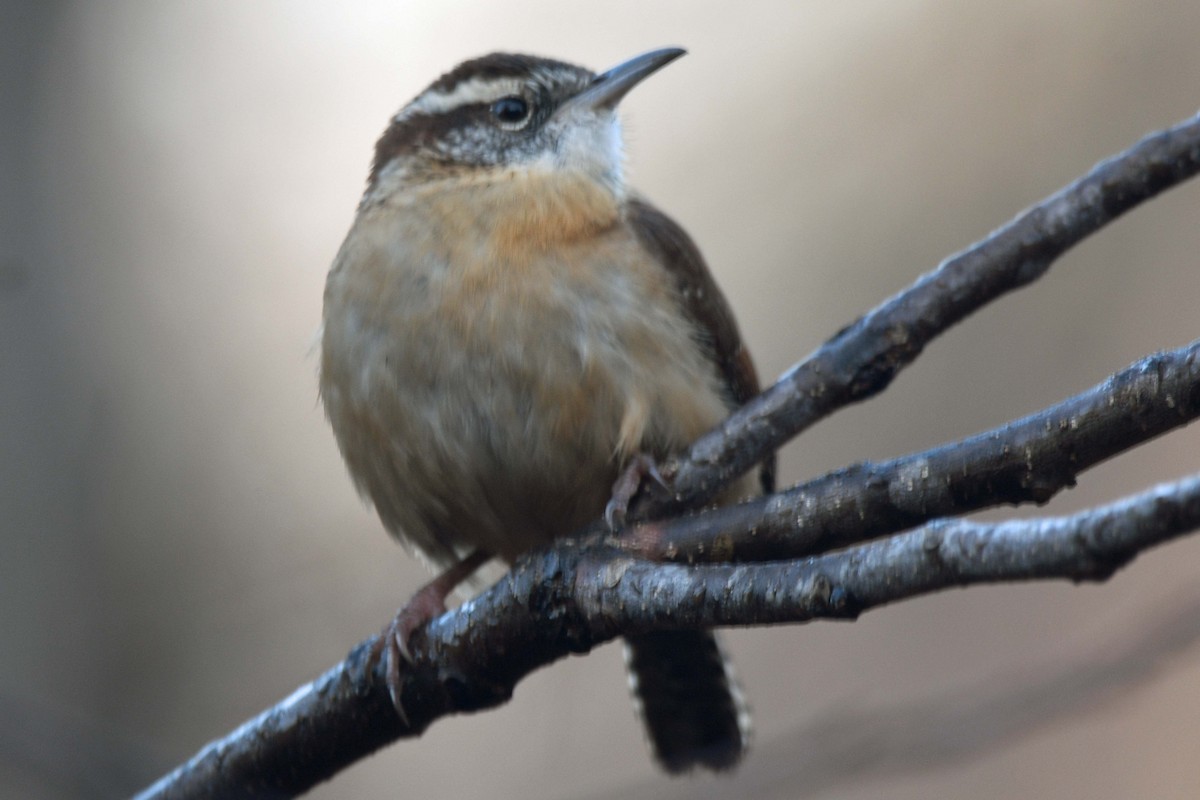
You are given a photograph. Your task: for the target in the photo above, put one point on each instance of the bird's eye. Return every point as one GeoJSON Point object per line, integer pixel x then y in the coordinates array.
{"type": "Point", "coordinates": [510, 110]}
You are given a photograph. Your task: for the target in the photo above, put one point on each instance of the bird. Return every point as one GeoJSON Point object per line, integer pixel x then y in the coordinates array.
{"type": "Point", "coordinates": [512, 338]}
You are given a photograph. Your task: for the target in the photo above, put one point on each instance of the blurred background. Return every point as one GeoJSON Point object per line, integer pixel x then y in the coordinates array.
{"type": "Point", "coordinates": [180, 545]}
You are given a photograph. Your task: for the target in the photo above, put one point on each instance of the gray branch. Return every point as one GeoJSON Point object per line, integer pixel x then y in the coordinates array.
{"type": "Point", "coordinates": [576, 596]}
{"type": "Point", "coordinates": [1026, 461]}
{"type": "Point", "coordinates": [581, 593]}
{"type": "Point", "coordinates": [862, 359]}
{"type": "Point", "coordinates": [1090, 545]}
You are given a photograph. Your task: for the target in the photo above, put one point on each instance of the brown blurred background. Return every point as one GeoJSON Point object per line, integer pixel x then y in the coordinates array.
{"type": "Point", "coordinates": [179, 543]}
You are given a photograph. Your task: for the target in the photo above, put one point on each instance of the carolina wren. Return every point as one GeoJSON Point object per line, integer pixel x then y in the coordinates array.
{"type": "Point", "coordinates": [507, 327]}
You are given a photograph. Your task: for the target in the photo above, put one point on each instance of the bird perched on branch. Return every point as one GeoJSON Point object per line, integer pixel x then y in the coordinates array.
{"type": "Point", "coordinates": [510, 333]}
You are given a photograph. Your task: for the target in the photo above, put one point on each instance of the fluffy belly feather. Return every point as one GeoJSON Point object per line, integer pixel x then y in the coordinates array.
{"type": "Point", "coordinates": [490, 402]}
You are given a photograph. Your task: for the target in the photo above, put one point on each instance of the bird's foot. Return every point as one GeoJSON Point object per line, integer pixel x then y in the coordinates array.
{"type": "Point", "coordinates": [426, 605]}
{"type": "Point", "coordinates": [626, 487]}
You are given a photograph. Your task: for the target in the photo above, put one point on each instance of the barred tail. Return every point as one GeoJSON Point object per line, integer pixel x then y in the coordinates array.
{"type": "Point", "coordinates": [685, 690]}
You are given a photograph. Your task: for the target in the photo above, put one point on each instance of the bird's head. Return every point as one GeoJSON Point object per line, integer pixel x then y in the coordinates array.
{"type": "Point", "coordinates": [502, 115]}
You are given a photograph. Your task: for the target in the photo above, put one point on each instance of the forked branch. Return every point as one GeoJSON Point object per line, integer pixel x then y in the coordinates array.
{"type": "Point", "coordinates": [586, 591]}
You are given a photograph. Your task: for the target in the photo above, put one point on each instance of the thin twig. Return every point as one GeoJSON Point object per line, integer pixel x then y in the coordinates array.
{"type": "Point", "coordinates": [862, 359]}
{"type": "Point", "coordinates": [1026, 461]}
{"type": "Point", "coordinates": [1090, 545]}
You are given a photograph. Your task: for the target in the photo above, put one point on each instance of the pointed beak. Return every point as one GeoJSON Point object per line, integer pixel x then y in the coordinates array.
{"type": "Point", "coordinates": [607, 89]}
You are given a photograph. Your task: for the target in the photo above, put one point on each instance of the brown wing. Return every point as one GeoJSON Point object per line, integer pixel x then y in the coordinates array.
{"type": "Point", "coordinates": [706, 306]}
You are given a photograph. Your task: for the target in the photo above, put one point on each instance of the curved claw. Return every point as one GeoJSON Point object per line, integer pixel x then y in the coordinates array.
{"type": "Point", "coordinates": [426, 605]}
{"type": "Point", "coordinates": [614, 515]}
{"type": "Point", "coordinates": [394, 653]}
{"type": "Point", "coordinates": [626, 487]}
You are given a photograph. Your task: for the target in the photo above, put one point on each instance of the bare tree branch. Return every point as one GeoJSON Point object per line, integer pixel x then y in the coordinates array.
{"type": "Point", "coordinates": [1090, 545]}
{"type": "Point", "coordinates": [573, 597]}
{"type": "Point", "coordinates": [862, 359]}
{"type": "Point", "coordinates": [578, 594]}
{"type": "Point", "coordinates": [1027, 461]}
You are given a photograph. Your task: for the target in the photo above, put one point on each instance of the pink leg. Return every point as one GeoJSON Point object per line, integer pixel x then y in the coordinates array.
{"type": "Point", "coordinates": [427, 604]}
{"type": "Point", "coordinates": [626, 488]}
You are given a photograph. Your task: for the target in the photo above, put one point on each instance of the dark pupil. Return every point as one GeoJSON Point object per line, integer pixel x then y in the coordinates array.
{"type": "Point", "coordinates": [510, 109]}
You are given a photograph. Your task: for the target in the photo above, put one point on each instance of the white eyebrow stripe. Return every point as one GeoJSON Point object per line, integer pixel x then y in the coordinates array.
{"type": "Point", "coordinates": [475, 90]}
